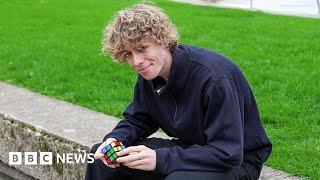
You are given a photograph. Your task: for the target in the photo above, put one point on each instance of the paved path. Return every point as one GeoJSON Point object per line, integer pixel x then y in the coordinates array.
{"type": "Point", "coordinates": [306, 8]}
{"type": "Point", "coordinates": [72, 122]}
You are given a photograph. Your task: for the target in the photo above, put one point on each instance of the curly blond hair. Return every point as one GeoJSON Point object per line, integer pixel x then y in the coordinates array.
{"type": "Point", "coordinates": [131, 25]}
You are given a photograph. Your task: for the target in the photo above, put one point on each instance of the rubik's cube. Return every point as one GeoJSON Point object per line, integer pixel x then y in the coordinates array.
{"type": "Point", "coordinates": [110, 150]}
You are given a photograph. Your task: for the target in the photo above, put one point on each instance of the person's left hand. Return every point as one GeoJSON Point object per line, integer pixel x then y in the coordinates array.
{"type": "Point", "coordinates": [138, 157]}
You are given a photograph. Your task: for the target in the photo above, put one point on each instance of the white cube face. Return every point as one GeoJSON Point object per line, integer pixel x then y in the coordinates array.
{"type": "Point", "coordinates": [45, 158]}
{"type": "Point", "coordinates": [15, 158]}
{"type": "Point", "coordinates": [30, 158]}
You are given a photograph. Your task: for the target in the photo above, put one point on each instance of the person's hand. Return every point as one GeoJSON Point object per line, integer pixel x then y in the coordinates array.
{"type": "Point", "coordinates": [138, 157]}
{"type": "Point", "coordinates": [99, 155]}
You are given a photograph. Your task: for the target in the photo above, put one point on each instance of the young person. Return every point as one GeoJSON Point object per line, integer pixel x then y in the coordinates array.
{"type": "Point", "coordinates": [197, 96]}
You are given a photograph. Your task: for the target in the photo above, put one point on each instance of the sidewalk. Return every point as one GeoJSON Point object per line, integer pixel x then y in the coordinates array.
{"type": "Point", "coordinates": [304, 8]}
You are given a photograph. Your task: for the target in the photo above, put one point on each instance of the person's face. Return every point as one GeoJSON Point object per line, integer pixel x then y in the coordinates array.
{"type": "Point", "coordinates": [150, 61]}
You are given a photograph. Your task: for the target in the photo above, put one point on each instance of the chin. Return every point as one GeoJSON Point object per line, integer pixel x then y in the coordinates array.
{"type": "Point", "coordinates": [148, 76]}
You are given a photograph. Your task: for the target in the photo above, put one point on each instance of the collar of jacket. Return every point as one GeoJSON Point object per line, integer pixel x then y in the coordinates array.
{"type": "Point", "coordinates": [179, 71]}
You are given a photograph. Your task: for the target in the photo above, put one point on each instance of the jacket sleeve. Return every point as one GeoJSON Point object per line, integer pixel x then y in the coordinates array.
{"type": "Point", "coordinates": [136, 124]}
{"type": "Point", "coordinates": [223, 129]}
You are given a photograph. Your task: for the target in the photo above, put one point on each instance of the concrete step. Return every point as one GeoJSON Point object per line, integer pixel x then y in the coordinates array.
{"type": "Point", "coordinates": [33, 122]}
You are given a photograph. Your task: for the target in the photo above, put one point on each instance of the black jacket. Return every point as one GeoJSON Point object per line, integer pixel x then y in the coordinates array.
{"type": "Point", "coordinates": [206, 103]}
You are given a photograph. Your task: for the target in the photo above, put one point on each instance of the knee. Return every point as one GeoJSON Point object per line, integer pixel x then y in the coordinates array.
{"type": "Point", "coordinates": [97, 169]}
{"type": "Point", "coordinates": [97, 162]}
{"type": "Point", "coordinates": [174, 175]}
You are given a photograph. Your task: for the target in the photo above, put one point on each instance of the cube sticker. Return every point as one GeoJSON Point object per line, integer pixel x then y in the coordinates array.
{"type": "Point", "coordinates": [110, 150]}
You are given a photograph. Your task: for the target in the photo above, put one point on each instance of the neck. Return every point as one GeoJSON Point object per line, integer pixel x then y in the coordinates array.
{"type": "Point", "coordinates": [167, 66]}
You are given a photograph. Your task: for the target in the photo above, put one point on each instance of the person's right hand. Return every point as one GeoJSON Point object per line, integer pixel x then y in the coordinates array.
{"type": "Point", "coordinates": [99, 155]}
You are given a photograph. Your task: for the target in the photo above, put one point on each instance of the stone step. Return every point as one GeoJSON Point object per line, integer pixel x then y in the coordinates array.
{"type": "Point", "coordinates": [33, 122]}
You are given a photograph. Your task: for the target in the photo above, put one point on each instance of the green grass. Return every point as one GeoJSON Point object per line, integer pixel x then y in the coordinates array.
{"type": "Point", "coordinates": [53, 47]}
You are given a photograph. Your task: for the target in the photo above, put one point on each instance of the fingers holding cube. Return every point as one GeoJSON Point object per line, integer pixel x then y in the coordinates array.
{"type": "Point", "coordinates": [110, 151]}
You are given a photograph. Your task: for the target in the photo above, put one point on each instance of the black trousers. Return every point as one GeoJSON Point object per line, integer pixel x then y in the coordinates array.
{"type": "Point", "coordinates": [99, 171]}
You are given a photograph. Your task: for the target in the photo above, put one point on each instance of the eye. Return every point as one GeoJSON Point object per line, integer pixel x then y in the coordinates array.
{"type": "Point", "coordinates": [142, 48]}
{"type": "Point", "coordinates": [127, 55]}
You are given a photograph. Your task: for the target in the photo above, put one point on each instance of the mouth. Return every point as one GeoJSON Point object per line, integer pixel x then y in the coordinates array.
{"type": "Point", "coordinates": [144, 69]}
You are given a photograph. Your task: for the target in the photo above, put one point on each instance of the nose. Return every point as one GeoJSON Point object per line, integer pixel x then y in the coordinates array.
{"type": "Point", "coordinates": [137, 59]}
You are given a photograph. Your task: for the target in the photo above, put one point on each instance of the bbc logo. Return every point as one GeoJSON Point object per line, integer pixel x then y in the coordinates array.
{"type": "Point", "coordinates": [46, 158]}
{"type": "Point", "coordinates": [30, 158]}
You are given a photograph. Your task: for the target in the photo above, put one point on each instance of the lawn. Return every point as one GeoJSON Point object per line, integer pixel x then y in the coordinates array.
{"type": "Point", "coordinates": [53, 47]}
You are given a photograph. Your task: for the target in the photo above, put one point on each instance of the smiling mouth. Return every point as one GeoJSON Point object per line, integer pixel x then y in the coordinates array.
{"type": "Point", "coordinates": [144, 69]}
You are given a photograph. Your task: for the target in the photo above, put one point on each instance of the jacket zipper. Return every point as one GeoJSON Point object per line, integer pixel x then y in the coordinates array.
{"type": "Point", "coordinates": [175, 112]}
